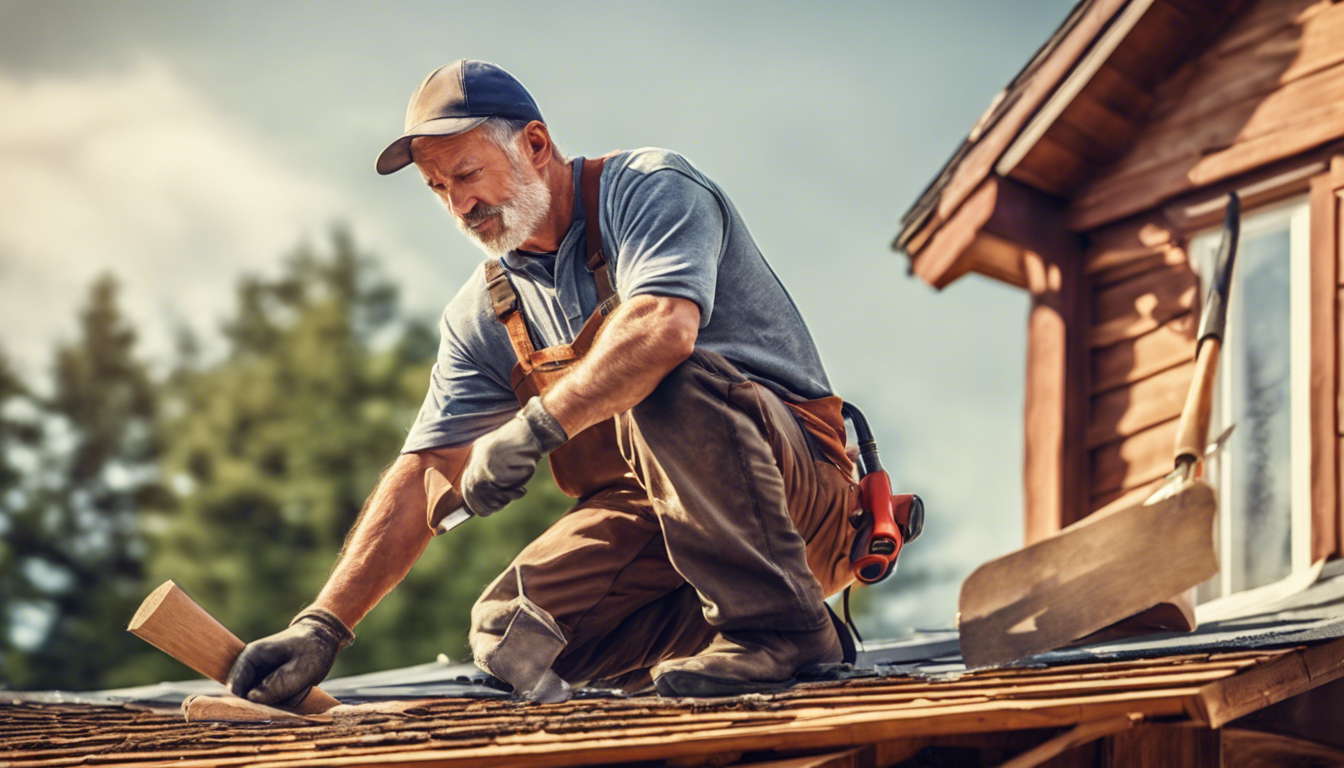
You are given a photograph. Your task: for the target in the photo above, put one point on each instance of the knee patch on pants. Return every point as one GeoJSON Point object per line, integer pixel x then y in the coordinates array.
{"type": "Point", "coordinates": [515, 640]}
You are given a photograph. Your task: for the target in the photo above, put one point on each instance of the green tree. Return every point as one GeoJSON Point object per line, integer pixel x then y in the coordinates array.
{"type": "Point", "coordinates": [73, 550]}
{"type": "Point", "coordinates": [273, 449]}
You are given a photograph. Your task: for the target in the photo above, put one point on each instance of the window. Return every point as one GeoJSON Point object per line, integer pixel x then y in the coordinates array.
{"type": "Point", "coordinates": [1263, 472]}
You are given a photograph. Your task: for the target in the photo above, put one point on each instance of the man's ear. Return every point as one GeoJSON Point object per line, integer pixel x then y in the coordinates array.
{"type": "Point", "coordinates": [539, 147]}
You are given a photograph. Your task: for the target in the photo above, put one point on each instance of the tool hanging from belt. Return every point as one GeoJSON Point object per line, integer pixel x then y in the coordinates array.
{"type": "Point", "coordinates": [885, 522]}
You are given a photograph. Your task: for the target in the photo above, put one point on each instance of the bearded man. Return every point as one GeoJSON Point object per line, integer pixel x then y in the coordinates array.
{"type": "Point", "coordinates": [626, 324]}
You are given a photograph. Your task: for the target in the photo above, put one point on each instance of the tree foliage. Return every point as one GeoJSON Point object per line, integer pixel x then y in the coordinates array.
{"type": "Point", "coordinates": [79, 464]}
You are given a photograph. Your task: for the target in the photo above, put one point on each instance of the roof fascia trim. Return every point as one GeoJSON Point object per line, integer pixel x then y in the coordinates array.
{"type": "Point", "coordinates": [1001, 210]}
{"type": "Point", "coordinates": [1077, 80]}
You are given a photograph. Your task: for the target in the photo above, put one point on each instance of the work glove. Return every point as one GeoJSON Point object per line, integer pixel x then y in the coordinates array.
{"type": "Point", "coordinates": [503, 461]}
{"type": "Point", "coordinates": [281, 669]}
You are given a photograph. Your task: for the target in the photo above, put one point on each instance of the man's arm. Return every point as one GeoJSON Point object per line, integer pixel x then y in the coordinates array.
{"type": "Point", "coordinates": [386, 540]}
{"type": "Point", "coordinates": [389, 536]}
{"type": "Point", "coordinates": [646, 338]}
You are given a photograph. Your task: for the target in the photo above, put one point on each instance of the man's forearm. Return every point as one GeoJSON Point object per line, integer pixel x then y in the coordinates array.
{"type": "Point", "coordinates": [646, 338]}
{"type": "Point", "coordinates": [388, 537]}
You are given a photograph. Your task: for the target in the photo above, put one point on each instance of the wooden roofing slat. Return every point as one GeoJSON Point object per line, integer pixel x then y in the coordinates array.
{"type": "Point", "coordinates": [821, 716]}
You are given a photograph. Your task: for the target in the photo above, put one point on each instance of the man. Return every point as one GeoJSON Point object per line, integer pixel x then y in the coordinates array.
{"type": "Point", "coordinates": [664, 368]}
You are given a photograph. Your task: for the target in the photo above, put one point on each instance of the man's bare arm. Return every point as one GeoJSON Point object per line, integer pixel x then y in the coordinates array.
{"type": "Point", "coordinates": [646, 338]}
{"type": "Point", "coordinates": [388, 537]}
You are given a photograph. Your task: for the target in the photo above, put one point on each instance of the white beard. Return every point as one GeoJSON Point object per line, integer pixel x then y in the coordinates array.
{"type": "Point", "coordinates": [519, 216]}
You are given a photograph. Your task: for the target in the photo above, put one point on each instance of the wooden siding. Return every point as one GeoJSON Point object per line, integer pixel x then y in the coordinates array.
{"type": "Point", "coordinates": [1270, 87]}
{"type": "Point", "coordinates": [1141, 358]}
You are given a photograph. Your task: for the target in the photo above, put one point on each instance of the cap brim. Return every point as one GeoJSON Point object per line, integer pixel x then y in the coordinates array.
{"type": "Point", "coordinates": [398, 153]}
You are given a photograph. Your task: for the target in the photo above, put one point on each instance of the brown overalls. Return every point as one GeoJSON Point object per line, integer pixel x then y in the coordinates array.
{"type": "Point", "coordinates": [705, 508]}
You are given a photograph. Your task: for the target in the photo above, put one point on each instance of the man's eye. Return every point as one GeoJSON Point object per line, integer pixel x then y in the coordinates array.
{"type": "Point", "coordinates": [470, 175]}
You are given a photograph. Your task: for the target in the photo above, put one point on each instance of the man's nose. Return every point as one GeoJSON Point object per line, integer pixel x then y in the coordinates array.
{"type": "Point", "coordinates": [461, 202]}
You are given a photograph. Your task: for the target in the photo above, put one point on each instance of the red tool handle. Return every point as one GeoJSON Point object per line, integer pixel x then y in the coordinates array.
{"type": "Point", "coordinates": [888, 521]}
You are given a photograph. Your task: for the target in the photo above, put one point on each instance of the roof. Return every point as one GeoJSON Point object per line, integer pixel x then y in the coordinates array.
{"type": "Point", "coordinates": [1076, 107]}
{"type": "Point", "coordinates": [903, 695]}
{"type": "Point", "coordinates": [1208, 689]}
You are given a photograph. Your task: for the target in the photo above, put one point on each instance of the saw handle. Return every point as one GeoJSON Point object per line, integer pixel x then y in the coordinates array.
{"type": "Point", "coordinates": [1192, 434]}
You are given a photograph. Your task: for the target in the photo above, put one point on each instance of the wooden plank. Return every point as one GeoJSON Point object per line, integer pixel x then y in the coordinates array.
{"type": "Point", "coordinates": [1252, 133]}
{"type": "Point", "coordinates": [1134, 460]}
{"type": "Point", "coordinates": [1055, 457]}
{"type": "Point", "coordinates": [1293, 51]}
{"type": "Point", "coordinates": [1327, 392]}
{"type": "Point", "coordinates": [1259, 21]}
{"type": "Point", "coordinates": [1203, 210]}
{"type": "Point", "coordinates": [1225, 700]}
{"type": "Point", "coordinates": [1163, 745]}
{"type": "Point", "coordinates": [1135, 307]}
{"type": "Point", "coordinates": [1166, 258]}
{"type": "Point", "coordinates": [1051, 166]}
{"type": "Point", "coordinates": [1103, 125]}
{"type": "Point", "coordinates": [1084, 733]}
{"type": "Point", "coordinates": [1120, 93]}
{"type": "Point", "coordinates": [819, 732]}
{"type": "Point", "coordinates": [1125, 241]}
{"type": "Point", "coordinates": [944, 258]}
{"type": "Point", "coordinates": [1124, 411]}
{"type": "Point", "coordinates": [1194, 114]}
{"type": "Point", "coordinates": [1259, 749]}
{"type": "Point", "coordinates": [992, 256]}
{"type": "Point", "coordinates": [1169, 345]}
{"type": "Point", "coordinates": [1156, 45]}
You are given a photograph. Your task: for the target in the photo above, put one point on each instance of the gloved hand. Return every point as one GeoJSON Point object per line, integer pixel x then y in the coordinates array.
{"type": "Point", "coordinates": [281, 669]}
{"type": "Point", "coordinates": [503, 461]}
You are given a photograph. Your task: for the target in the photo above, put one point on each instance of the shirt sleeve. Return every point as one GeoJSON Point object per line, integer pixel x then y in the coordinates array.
{"type": "Point", "coordinates": [669, 233]}
{"type": "Point", "coordinates": [468, 392]}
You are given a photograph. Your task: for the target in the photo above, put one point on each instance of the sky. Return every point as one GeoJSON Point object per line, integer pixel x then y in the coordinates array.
{"type": "Point", "coordinates": [180, 145]}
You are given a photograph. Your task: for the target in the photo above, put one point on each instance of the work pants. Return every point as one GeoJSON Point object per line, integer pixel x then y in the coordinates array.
{"type": "Point", "coordinates": [735, 523]}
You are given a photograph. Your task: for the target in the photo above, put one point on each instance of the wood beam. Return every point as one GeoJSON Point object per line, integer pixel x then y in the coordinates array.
{"type": "Point", "coordinates": [1327, 395]}
{"type": "Point", "coordinates": [1055, 466]}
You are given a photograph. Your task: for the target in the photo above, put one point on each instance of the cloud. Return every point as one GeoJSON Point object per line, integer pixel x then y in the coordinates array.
{"type": "Point", "coordinates": [133, 172]}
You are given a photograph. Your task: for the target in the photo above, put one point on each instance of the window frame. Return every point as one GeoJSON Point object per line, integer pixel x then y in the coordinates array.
{"type": "Point", "coordinates": [1295, 215]}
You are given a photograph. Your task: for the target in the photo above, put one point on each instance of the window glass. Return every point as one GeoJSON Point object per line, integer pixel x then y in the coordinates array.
{"type": "Point", "coordinates": [1258, 379]}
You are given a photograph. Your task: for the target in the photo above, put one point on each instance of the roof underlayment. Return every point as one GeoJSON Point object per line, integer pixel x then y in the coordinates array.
{"type": "Point", "coordinates": [442, 714]}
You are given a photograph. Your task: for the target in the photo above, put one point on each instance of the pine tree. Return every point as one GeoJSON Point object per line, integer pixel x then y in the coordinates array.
{"type": "Point", "coordinates": [73, 570]}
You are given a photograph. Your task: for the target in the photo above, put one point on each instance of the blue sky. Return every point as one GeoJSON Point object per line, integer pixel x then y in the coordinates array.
{"type": "Point", "coordinates": [179, 145]}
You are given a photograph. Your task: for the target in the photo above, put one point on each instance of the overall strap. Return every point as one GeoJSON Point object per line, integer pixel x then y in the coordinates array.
{"type": "Point", "coordinates": [505, 303]}
{"type": "Point", "coordinates": [589, 181]}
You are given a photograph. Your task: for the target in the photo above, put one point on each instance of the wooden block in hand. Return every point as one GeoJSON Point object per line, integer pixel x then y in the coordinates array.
{"type": "Point", "coordinates": [176, 625]}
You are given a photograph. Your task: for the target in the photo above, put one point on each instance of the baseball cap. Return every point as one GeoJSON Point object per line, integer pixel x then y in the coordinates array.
{"type": "Point", "coordinates": [454, 99]}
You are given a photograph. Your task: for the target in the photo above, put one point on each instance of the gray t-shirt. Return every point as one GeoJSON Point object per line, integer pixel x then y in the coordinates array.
{"type": "Point", "coordinates": [667, 230]}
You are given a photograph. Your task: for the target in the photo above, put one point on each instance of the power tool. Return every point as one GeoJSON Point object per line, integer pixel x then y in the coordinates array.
{"type": "Point", "coordinates": [885, 522]}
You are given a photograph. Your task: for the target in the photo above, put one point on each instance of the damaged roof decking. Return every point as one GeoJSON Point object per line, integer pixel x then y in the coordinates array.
{"type": "Point", "coordinates": [1209, 689]}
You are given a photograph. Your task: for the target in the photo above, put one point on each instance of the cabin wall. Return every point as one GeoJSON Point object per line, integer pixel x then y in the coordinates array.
{"type": "Point", "coordinates": [1261, 111]}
